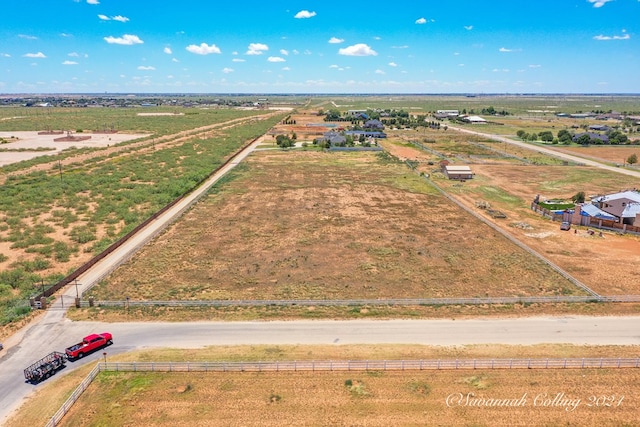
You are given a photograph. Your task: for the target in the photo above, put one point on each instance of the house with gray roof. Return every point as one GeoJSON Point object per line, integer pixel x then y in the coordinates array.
{"type": "Point", "coordinates": [624, 206]}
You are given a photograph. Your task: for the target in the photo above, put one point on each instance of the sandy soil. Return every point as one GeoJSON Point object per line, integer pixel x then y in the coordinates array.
{"type": "Point", "coordinates": [32, 141]}
{"type": "Point", "coordinates": [617, 154]}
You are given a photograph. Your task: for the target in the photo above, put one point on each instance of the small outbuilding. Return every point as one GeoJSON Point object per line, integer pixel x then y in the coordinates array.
{"type": "Point", "coordinates": [457, 172]}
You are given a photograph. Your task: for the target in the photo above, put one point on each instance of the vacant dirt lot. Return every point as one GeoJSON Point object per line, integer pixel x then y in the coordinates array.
{"type": "Point", "coordinates": [310, 225]}
{"type": "Point", "coordinates": [616, 154]}
{"type": "Point", "coordinates": [22, 145]}
{"type": "Point", "coordinates": [375, 398]}
{"type": "Point", "coordinates": [362, 399]}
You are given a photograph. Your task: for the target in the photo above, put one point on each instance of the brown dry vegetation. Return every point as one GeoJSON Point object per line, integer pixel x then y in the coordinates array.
{"type": "Point", "coordinates": [511, 188]}
{"type": "Point", "coordinates": [373, 398]}
{"type": "Point", "coordinates": [309, 225]}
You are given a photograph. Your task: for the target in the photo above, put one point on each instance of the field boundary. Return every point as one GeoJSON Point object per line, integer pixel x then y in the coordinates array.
{"type": "Point", "coordinates": [341, 366]}
{"type": "Point", "coordinates": [369, 302]}
{"type": "Point", "coordinates": [512, 239]}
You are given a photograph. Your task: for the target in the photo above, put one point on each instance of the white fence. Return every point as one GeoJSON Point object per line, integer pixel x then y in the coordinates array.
{"type": "Point", "coordinates": [340, 365]}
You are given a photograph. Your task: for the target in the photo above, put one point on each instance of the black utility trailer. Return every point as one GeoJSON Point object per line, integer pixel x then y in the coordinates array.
{"type": "Point", "coordinates": [45, 367]}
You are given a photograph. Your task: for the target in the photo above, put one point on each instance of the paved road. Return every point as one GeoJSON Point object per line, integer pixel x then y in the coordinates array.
{"type": "Point", "coordinates": [551, 152]}
{"type": "Point", "coordinates": [54, 332]}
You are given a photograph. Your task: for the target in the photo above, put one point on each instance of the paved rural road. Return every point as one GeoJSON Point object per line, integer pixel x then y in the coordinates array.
{"type": "Point", "coordinates": [54, 332]}
{"type": "Point", "coordinates": [550, 152]}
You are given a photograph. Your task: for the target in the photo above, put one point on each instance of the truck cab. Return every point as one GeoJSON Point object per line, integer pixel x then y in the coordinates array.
{"type": "Point", "coordinates": [89, 344]}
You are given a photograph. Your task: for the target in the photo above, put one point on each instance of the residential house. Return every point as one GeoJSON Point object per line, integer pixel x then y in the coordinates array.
{"type": "Point", "coordinates": [592, 135]}
{"type": "Point", "coordinates": [333, 138]}
{"type": "Point", "coordinates": [624, 206]}
{"type": "Point", "coordinates": [373, 124]}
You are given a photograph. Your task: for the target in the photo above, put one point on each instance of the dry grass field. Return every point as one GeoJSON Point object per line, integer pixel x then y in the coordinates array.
{"type": "Point", "coordinates": [311, 225]}
{"type": "Point", "coordinates": [373, 398]}
{"type": "Point", "coordinates": [510, 188]}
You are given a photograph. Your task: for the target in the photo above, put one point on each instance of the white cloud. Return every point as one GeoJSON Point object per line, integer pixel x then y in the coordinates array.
{"type": "Point", "coordinates": [257, 49]}
{"type": "Point", "coordinates": [333, 66]}
{"type": "Point", "coordinates": [404, 46]}
{"type": "Point", "coordinates": [203, 49]}
{"type": "Point", "coordinates": [69, 63]}
{"type": "Point", "coordinates": [286, 69]}
{"type": "Point", "coordinates": [127, 39]}
{"type": "Point", "coordinates": [93, 2]}
{"type": "Point", "coordinates": [335, 40]}
{"type": "Point", "coordinates": [468, 27]}
{"type": "Point", "coordinates": [535, 66]}
{"type": "Point", "coordinates": [392, 64]}
{"type": "Point", "coordinates": [380, 72]}
{"type": "Point", "coordinates": [623, 37]}
{"type": "Point", "coordinates": [377, 38]}
{"type": "Point", "coordinates": [146, 68]}
{"type": "Point", "coordinates": [504, 49]}
{"type": "Point", "coordinates": [73, 54]}
{"type": "Point", "coordinates": [599, 3]}
{"type": "Point", "coordinates": [423, 21]}
{"type": "Point", "coordinates": [305, 14]}
{"type": "Point", "coordinates": [167, 50]}
{"type": "Point", "coordinates": [359, 49]}
{"type": "Point", "coordinates": [284, 52]}
{"type": "Point", "coordinates": [35, 55]}
{"type": "Point", "coordinates": [27, 37]}
{"type": "Point", "coordinates": [115, 18]}
{"type": "Point", "coordinates": [5, 55]}
{"type": "Point", "coordinates": [275, 59]}
{"type": "Point", "coordinates": [238, 60]}
{"type": "Point", "coordinates": [65, 35]}
{"type": "Point", "coordinates": [227, 70]}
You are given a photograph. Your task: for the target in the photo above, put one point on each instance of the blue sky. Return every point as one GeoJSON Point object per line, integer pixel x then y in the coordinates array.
{"type": "Point", "coordinates": [421, 46]}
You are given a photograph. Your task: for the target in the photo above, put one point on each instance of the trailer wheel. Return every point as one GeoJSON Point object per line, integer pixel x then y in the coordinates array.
{"type": "Point", "coordinates": [80, 355]}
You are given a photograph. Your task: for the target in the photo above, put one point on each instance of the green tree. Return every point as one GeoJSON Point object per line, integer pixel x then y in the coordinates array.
{"type": "Point", "coordinates": [522, 134]}
{"type": "Point", "coordinates": [584, 139]}
{"type": "Point", "coordinates": [284, 141]}
{"type": "Point", "coordinates": [578, 197]}
{"type": "Point", "coordinates": [564, 136]}
{"type": "Point", "coordinates": [632, 159]}
{"type": "Point", "coordinates": [546, 136]}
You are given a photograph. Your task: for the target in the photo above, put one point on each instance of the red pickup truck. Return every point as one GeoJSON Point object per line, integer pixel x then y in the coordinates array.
{"type": "Point", "coordinates": [89, 344]}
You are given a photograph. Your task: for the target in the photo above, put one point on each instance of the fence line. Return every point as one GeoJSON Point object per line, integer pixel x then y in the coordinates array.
{"type": "Point", "coordinates": [340, 366]}
{"type": "Point", "coordinates": [369, 302]}
{"type": "Point", "coordinates": [371, 365]}
{"type": "Point", "coordinates": [515, 241]}
{"type": "Point", "coordinates": [66, 406]}
{"type": "Point", "coordinates": [115, 245]}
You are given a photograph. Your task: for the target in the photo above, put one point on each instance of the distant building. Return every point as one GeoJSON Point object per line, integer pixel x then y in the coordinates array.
{"type": "Point", "coordinates": [373, 124]}
{"type": "Point", "coordinates": [603, 138]}
{"type": "Point", "coordinates": [448, 112]}
{"type": "Point", "coordinates": [367, 134]}
{"type": "Point", "coordinates": [474, 120]}
{"type": "Point", "coordinates": [457, 172]}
